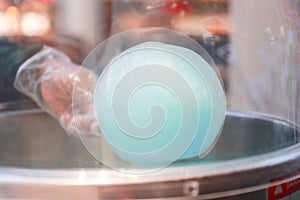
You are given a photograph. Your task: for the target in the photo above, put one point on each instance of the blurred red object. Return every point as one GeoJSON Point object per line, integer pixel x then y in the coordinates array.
{"type": "Point", "coordinates": [177, 7]}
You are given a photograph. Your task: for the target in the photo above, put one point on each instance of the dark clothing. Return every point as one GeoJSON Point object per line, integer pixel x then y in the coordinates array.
{"type": "Point", "coordinates": [12, 55]}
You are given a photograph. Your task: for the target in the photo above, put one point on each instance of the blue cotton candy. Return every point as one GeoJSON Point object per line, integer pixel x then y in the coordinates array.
{"type": "Point", "coordinates": [157, 103]}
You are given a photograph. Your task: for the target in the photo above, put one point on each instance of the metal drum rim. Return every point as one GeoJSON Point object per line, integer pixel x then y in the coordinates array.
{"type": "Point", "coordinates": [264, 166]}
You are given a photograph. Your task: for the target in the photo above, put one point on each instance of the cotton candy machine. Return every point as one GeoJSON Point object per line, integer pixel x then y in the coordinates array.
{"type": "Point", "coordinates": [38, 161]}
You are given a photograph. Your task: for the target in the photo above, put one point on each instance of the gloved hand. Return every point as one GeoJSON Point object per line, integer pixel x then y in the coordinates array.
{"type": "Point", "coordinates": [49, 78]}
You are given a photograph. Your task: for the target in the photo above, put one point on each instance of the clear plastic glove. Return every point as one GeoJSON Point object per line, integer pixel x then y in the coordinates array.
{"type": "Point", "coordinates": [49, 78]}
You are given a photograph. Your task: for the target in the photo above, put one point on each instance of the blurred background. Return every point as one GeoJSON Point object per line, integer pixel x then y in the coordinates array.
{"type": "Point", "coordinates": [76, 26]}
{"type": "Point", "coordinates": [253, 43]}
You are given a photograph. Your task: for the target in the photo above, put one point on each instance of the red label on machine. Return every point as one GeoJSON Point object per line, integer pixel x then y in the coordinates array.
{"type": "Point", "coordinates": [284, 189]}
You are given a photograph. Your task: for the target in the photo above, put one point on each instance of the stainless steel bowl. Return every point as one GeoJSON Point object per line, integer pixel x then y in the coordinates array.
{"type": "Point", "coordinates": [39, 161]}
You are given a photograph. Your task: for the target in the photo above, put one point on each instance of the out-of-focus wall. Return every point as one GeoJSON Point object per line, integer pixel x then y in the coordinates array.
{"type": "Point", "coordinates": [83, 19]}
{"type": "Point", "coordinates": [263, 71]}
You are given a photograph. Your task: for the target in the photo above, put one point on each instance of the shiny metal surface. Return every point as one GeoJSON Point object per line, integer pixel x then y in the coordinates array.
{"type": "Point", "coordinates": [38, 160]}
{"type": "Point", "coordinates": [23, 104]}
